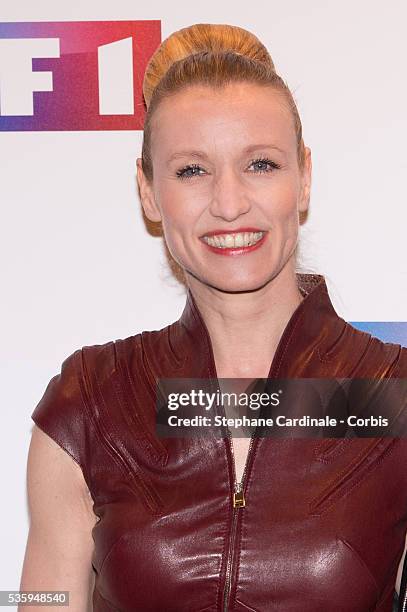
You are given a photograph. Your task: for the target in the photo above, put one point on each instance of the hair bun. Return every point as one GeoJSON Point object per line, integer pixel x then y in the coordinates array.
{"type": "Point", "coordinates": [197, 38]}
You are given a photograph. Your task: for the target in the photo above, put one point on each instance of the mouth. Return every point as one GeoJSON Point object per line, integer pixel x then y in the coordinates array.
{"type": "Point", "coordinates": [234, 242]}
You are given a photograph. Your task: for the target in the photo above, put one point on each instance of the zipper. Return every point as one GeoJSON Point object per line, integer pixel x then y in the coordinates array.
{"type": "Point", "coordinates": [238, 501]}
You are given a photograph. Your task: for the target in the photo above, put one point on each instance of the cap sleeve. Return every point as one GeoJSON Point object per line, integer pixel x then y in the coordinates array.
{"type": "Point", "coordinates": [61, 412]}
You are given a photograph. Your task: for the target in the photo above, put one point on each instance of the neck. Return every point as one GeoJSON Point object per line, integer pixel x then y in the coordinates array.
{"type": "Point", "coordinates": [245, 328]}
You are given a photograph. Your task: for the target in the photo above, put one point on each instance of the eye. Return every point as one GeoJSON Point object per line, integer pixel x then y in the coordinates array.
{"type": "Point", "coordinates": [184, 172]}
{"type": "Point", "coordinates": [264, 161]}
{"type": "Point", "coordinates": [192, 170]}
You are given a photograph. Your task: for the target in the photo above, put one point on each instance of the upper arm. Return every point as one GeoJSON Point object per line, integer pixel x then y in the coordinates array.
{"type": "Point", "coordinates": [60, 546]}
{"type": "Point", "coordinates": [400, 568]}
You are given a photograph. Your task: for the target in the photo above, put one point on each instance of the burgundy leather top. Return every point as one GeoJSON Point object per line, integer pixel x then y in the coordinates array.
{"type": "Point", "coordinates": [325, 519]}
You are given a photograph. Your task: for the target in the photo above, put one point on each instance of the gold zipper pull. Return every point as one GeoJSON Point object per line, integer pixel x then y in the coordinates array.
{"type": "Point", "coordinates": [238, 497]}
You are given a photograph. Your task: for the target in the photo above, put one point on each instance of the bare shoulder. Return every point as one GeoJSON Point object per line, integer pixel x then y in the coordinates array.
{"type": "Point", "coordinates": [60, 545]}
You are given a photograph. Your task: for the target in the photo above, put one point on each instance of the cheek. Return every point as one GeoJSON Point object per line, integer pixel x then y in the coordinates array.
{"type": "Point", "coordinates": [171, 205]}
{"type": "Point", "coordinates": [179, 218]}
{"type": "Point", "coordinates": [282, 204]}
{"type": "Point", "coordinates": [181, 205]}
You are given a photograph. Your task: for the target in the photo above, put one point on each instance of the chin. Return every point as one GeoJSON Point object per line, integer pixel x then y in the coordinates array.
{"type": "Point", "coordinates": [231, 285]}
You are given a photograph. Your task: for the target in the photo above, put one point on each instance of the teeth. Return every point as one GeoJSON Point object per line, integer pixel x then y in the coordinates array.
{"type": "Point", "coordinates": [227, 241]}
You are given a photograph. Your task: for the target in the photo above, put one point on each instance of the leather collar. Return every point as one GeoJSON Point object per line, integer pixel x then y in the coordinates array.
{"type": "Point", "coordinates": [313, 328]}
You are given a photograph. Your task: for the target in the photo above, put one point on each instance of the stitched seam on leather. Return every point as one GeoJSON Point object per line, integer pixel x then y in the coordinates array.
{"type": "Point", "coordinates": [112, 547]}
{"type": "Point", "coordinates": [328, 449]}
{"type": "Point", "coordinates": [395, 363]}
{"type": "Point", "coordinates": [322, 357]}
{"type": "Point", "coordinates": [326, 457]}
{"type": "Point", "coordinates": [355, 464]}
{"type": "Point", "coordinates": [245, 606]}
{"type": "Point", "coordinates": [210, 608]}
{"type": "Point", "coordinates": [84, 392]}
{"type": "Point", "coordinates": [363, 355]}
{"type": "Point", "coordinates": [145, 360]}
{"type": "Point", "coordinates": [329, 352]}
{"type": "Point", "coordinates": [154, 448]}
{"type": "Point", "coordinates": [148, 373]}
{"type": "Point", "coordinates": [134, 471]}
{"type": "Point", "coordinates": [111, 450]}
{"type": "Point", "coordinates": [112, 608]}
{"type": "Point", "coordinates": [144, 441]}
{"type": "Point", "coordinates": [180, 362]}
{"type": "Point", "coordinates": [363, 563]}
{"type": "Point", "coordinates": [342, 490]}
{"type": "Point", "coordinates": [335, 448]}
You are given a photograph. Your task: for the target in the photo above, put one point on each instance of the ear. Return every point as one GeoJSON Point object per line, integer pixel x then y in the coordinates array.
{"type": "Point", "coordinates": [306, 181]}
{"type": "Point", "coordinates": [146, 193]}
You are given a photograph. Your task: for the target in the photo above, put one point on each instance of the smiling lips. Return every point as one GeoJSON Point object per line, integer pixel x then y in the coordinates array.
{"type": "Point", "coordinates": [234, 243]}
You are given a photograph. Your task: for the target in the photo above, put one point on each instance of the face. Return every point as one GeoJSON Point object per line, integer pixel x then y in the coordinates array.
{"type": "Point", "coordinates": [225, 165]}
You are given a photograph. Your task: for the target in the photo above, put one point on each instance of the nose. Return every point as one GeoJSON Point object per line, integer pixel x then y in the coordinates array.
{"type": "Point", "coordinates": [229, 198]}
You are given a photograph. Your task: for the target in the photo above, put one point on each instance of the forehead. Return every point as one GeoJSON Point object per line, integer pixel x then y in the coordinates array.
{"type": "Point", "coordinates": [218, 119]}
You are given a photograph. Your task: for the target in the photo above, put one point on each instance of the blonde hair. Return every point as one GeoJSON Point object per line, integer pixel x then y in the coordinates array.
{"type": "Point", "coordinates": [212, 55]}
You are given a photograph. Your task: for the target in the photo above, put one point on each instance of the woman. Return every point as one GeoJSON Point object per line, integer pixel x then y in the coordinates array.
{"type": "Point", "coordinates": [201, 524]}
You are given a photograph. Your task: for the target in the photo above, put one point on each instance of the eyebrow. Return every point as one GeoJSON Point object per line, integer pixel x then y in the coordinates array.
{"type": "Point", "coordinates": [203, 155]}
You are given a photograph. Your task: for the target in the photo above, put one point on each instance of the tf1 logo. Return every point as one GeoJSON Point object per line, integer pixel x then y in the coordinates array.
{"type": "Point", "coordinates": [74, 75]}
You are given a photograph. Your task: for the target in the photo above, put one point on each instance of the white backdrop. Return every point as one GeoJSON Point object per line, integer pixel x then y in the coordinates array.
{"type": "Point", "coordinates": [79, 266]}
